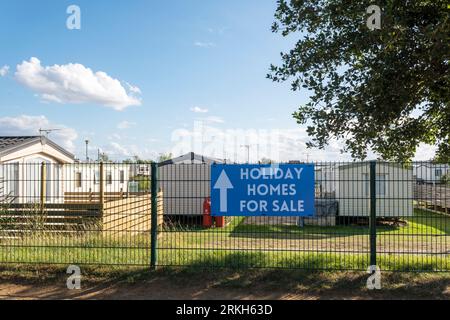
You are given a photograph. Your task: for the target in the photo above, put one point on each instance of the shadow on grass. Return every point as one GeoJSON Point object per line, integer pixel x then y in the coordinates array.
{"type": "Point", "coordinates": [422, 223]}
{"type": "Point", "coordinates": [194, 282]}
{"type": "Point", "coordinates": [234, 259]}
{"type": "Point", "coordinates": [279, 231]}
{"type": "Point", "coordinates": [241, 259]}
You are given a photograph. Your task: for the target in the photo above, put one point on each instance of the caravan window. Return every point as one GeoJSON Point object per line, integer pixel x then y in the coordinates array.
{"type": "Point", "coordinates": [438, 172]}
{"type": "Point", "coordinates": [77, 179]}
{"type": "Point", "coordinates": [380, 184]}
{"type": "Point", "coordinates": [9, 179]}
{"type": "Point", "coordinates": [97, 177]}
{"type": "Point", "coordinates": [108, 177]}
{"type": "Point", "coordinates": [122, 176]}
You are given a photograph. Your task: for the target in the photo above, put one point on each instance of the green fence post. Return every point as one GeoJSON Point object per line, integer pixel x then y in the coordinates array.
{"type": "Point", "coordinates": [43, 187]}
{"type": "Point", "coordinates": [154, 215]}
{"type": "Point", "coordinates": [373, 214]}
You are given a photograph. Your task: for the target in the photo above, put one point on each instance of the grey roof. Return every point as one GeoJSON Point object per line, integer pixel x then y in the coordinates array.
{"type": "Point", "coordinates": [431, 165]}
{"type": "Point", "coordinates": [379, 162]}
{"type": "Point", "coordinates": [13, 143]}
{"type": "Point", "coordinates": [7, 142]}
{"type": "Point", "coordinates": [191, 156]}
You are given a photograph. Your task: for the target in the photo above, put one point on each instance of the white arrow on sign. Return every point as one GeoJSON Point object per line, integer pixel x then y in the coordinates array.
{"type": "Point", "coordinates": [223, 184]}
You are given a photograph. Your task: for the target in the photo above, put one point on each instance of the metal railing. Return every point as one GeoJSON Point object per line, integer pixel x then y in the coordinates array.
{"type": "Point", "coordinates": [392, 215]}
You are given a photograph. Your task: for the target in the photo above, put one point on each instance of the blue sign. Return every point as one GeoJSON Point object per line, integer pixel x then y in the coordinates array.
{"type": "Point", "coordinates": [262, 190]}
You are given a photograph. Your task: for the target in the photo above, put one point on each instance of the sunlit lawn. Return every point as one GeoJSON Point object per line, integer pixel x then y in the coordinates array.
{"type": "Point", "coordinates": [243, 245]}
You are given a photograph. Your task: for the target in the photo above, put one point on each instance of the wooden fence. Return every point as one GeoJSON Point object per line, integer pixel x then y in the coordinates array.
{"type": "Point", "coordinates": [131, 215]}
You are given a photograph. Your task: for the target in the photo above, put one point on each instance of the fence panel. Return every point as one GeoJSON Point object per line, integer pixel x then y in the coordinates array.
{"type": "Point", "coordinates": [409, 234]}
{"type": "Point", "coordinates": [81, 213]}
{"type": "Point", "coordinates": [101, 214]}
{"type": "Point", "coordinates": [328, 241]}
{"type": "Point", "coordinates": [416, 237]}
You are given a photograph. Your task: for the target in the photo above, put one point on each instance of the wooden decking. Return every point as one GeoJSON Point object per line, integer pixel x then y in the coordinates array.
{"type": "Point", "coordinates": [433, 197]}
{"type": "Point", "coordinates": [120, 213]}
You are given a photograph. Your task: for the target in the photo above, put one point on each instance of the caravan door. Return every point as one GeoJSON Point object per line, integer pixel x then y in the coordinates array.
{"type": "Point", "coordinates": [32, 180]}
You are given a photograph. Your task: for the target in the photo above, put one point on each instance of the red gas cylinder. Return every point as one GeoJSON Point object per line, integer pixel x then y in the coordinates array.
{"type": "Point", "coordinates": [220, 222]}
{"type": "Point", "coordinates": [207, 219]}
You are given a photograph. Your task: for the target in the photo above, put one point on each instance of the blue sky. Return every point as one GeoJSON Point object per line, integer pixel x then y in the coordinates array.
{"type": "Point", "coordinates": [183, 55]}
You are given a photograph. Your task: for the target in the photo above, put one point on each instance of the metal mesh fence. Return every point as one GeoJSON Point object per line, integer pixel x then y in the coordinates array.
{"type": "Point", "coordinates": [143, 214]}
{"type": "Point", "coordinates": [82, 213]}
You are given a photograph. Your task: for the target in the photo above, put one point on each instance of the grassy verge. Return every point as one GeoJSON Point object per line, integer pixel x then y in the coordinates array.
{"type": "Point", "coordinates": [290, 284]}
{"type": "Point", "coordinates": [231, 259]}
{"type": "Point", "coordinates": [240, 245]}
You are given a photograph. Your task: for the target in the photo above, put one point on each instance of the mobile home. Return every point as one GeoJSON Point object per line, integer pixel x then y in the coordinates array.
{"type": "Point", "coordinates": [26, 161]}
{"type": "Point", "coordinates": [185, 183]}
{"type": "Point", "coordinates": [21, 159]}
{"type": "Point", "coordinates": [428, 172]}
{"type": "Point", "coordinates": [393, 189]}
{"type": "Point", "coordinates": [85, 177]}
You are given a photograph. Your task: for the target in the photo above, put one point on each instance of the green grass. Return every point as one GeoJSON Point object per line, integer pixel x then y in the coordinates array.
{"type": "Point", "coordinates": [85, 248]}
{"type": "Point", "coordinates": [422, 223]}
{"type": "Point", "coordinates": [300, 260]}
{"type": "Point", "coordinates": [426, 222]}
{"type": "Point", "coordinates": [240, 245]}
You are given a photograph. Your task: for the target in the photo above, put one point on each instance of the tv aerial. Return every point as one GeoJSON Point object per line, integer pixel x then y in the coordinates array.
{"type": "Point", "coordinates": [46, 131]}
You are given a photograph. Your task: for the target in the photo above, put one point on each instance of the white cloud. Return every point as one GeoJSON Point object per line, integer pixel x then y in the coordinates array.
{"type": "Point", "coordinates": [204, 44]}
{"type": "Point", "coordinates": [125, 125]}
{"type": "Point", "coordinates": [118, 151]}
{"type": "Point", "coordinates": [199, 110]}
{"type": "Point", "coordinates": [4, 70]}
{"type": "Point", "coordinates": [74, 83]}
{"type": "Point", "coordinates": [219, 30]}
{"type": "Point", "coordinates": [212, 119]}
{"type": "Point", "coordinates": [30, 125]}
{"type": "Point", "coordinates": [134, 89]}
{"type": "Point", "coordinates": [276, 144]}
{"type": "Point", "coordinates": [115, 136]}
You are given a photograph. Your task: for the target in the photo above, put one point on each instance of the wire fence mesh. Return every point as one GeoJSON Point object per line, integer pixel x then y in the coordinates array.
{"type": "Point", "coordinates": [143, 214]}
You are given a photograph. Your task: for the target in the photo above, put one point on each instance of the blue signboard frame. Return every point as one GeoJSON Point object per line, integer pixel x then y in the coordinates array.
{"type": "Point", "coordinates": [262, 190]}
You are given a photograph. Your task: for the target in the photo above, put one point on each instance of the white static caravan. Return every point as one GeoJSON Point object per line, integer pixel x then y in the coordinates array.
{"type": "Point", "coordinates": [185, 183]}
{"type": "Point", "coordinates": [85, 177]}
{"type": "Point", "coordinates": [21, 163]}
{"type": "Point", "coordinates": [326, 180]}
{"type": "Point", "coordinates": [21, 159]}
{"type": "Point", "coordinates": [428, 172]}
{"type": "Point", "coordinates": [394, 190]}
{"type": "Point", "coordinates": [140, 169]}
